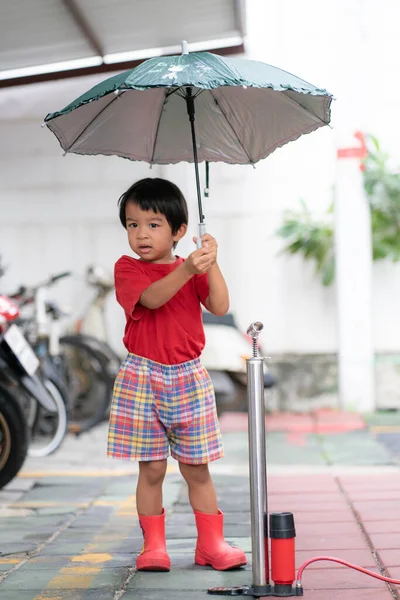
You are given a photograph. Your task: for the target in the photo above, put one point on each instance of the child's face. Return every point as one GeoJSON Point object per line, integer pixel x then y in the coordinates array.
{"type": "Point", "coordinates": [150, 235]}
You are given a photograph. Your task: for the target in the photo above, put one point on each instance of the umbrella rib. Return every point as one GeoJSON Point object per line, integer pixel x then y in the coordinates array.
{"type": "Point", "coordinates": [307, 110]}
{"type": "Point", "coordinates": [231, 126]}
{"type": "Point", "coordinates": [158, 126]}
{"type": "Point", "coordinates": [90, 123]}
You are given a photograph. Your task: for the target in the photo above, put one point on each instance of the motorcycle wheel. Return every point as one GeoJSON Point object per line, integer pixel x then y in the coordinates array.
{"type": "Point", "coordinates": [14, 437]}
{"type": "Point", "coordinates": [49, 430]}
{"type": "Point", "coordinates": [90, 382]}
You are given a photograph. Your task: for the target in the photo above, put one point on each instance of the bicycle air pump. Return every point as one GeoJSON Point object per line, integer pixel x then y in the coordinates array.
{"type": "Point", "coordinates": [284, 582]}
{"type": "Point", "coordinates": [280, 526]}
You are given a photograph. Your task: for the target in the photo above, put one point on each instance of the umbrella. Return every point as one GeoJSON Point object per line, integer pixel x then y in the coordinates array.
{"type": "Point", "coordinates": [239, 111]}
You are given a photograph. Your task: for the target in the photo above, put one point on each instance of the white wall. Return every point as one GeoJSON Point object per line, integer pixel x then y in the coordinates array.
{"type": "Point", "coordinates": [60, 212]}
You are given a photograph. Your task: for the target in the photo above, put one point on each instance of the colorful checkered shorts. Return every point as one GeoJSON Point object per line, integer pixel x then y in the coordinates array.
{"type": "Point", "coordinates": [160, 408]}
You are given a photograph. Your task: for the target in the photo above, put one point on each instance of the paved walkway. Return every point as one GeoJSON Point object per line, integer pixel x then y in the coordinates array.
{"type": "Point", "coordinates": [68, 525]}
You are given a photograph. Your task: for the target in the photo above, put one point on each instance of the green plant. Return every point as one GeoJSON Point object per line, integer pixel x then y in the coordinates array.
{"type": "Point", "coordinates": [310, 238]}
{"type": "Point", "coordinates": [313, 239]}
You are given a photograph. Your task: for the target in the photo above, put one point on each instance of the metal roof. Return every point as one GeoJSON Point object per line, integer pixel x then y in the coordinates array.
{"type": "Point", "coordinates": [107, 35]}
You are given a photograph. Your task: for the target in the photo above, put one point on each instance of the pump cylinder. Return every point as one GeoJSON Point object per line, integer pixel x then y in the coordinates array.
{"type": "Point", "coordinates": [283, 569]}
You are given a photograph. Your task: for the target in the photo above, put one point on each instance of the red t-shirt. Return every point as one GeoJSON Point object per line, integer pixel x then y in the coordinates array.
{"type": "Point", "coordinates": [172, 333]}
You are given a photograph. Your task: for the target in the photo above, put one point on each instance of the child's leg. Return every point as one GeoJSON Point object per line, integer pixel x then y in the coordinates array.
{"type": "Point", "coordinates": [202, 494]}
{"type": "Point", "coordinates": [154, 555]}
{"type": "Point", "coordinates": [211, 548]}
{"type": "Point", "coordinates": [149, 487]}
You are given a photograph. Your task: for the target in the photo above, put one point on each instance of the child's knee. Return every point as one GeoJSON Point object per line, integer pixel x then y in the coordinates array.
{"type": "Point", "coordinates": [195, 474]}
{"type": "Point", "coordinates": [153, 471]}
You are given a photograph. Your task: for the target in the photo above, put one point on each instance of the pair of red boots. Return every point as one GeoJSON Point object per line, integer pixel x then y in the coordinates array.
{"type": "Point", "coordinates": [211, 548]}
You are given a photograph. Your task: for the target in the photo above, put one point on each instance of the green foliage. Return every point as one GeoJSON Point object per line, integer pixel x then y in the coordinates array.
{"type": "Point", "coordinates": [313, 239]}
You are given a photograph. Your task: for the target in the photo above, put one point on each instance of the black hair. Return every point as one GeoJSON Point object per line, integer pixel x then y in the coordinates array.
{"type": "Point", "coordinates": [160, 196]}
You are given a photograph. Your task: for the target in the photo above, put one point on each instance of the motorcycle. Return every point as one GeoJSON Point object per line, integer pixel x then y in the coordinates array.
{"type": "Point", "coordinates": [224, 357]}
{"type": "Point", "coordinates": [23, 395]}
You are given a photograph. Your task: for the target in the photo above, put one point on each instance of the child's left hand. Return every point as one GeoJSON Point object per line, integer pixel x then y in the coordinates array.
{"type": "Point", "coordinates": [210, 245]}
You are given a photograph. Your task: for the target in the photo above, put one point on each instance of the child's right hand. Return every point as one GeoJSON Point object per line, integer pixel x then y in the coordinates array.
{"type": "Point", "coordinates": [200, 260]}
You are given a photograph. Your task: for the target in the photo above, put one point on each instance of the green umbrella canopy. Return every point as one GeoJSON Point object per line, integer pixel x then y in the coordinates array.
{"type": "Point", "coordinates": [244, 110]}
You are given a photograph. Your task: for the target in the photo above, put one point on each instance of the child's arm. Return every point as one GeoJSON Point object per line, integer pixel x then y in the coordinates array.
{"type": "Point", "coordinates": [217, 301]}
{"type": "Point", "coordinates": [159, 292]}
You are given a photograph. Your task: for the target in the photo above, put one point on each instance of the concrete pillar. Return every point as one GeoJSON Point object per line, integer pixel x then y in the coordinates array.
{"type": "Point", "coordinates": [353, 256]}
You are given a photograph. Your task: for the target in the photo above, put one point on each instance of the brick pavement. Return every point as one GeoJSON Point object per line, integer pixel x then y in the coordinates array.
{"type": "Point", "coordinates": [68, 525]}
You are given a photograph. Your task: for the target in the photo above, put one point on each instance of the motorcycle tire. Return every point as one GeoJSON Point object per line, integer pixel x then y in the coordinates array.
{"type": "Point", "coordinates": [90, 382]}
{"type": "Point", "coordinates": [56, 425]}
{"type": "Point", "coordinates": [14, 437]}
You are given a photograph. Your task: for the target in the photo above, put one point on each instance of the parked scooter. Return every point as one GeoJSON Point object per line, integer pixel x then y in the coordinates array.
{"type": "Point", "coordinates": [22, 393]}
{"type": "Point", "coordinates": [224, 357]}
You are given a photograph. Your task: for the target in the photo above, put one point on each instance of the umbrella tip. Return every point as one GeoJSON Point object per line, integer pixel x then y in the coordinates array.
{"type": "Point", "coordinates": [185, 47]}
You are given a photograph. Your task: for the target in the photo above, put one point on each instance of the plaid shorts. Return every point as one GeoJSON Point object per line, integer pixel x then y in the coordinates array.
{"type": "Point", "coordinates": [160, 408]}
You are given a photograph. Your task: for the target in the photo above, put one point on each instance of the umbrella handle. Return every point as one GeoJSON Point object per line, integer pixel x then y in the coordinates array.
{"type": "Point", "coordinates": [202, 231]}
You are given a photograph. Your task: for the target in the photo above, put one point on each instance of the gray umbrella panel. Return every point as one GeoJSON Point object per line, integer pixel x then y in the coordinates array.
{"type": "Point", "coordinates": [234, 125]}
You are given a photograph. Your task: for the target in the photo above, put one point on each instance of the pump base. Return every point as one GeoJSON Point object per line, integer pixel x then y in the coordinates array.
{"type": "Point", "coordinates": [259, 591]}
{"type": "Point", "coordinates": [286, 591]}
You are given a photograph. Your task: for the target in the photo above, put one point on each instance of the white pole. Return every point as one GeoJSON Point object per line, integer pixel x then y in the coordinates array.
{"type": "Point", "coordinates": [353, 257]}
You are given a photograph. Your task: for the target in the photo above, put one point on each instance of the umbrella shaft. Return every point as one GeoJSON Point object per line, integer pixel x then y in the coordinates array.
{"type": "Point", "coordinates": [190, 110]}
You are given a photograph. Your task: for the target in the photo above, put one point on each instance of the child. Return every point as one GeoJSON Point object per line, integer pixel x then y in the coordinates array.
{"type": "Point", "coordinates": [163, 398]}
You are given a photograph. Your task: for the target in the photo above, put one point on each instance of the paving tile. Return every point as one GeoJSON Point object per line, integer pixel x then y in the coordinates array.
{"type": "Point", "coordinates": [382, 527]}
{"type": "Point", "coordinates": [43, 579]}
{"type": "Point", "coordinates": [16, 548]}
{"type": "Point", "coordinates": [390, 557]}
{"type": "Point", "coordinates": [377, 495]}
{"type": "Point", "coordinates": [323, 528]}
{"type": "Point", "coordinates": [313, 498]}
{"type": "Point", "coordinates": [27, 594]}
{"type": "Point", "coordinates": [58, 561]}
{"type": "Point", "coordinates": [340, 579]}
{"type": "Point", "coordinates": [330, 543]}
{"type": "Point", "coordinates": [337, 516]}
{"type": "Point", "coordinates": [24, 580]}
{"type": "Point", "coordinates": [372, 483]}
{"type": "Point", "coordinates": [378, 505]}
{"type": "Point", "coordinates": [57, 594]}
{"type": "Point", "coordinates": [394, 573]}
{"type": "Point", "coordinates": [168, 594]}
{"type": "Point", "coordinates": [8, 496]}
{"type": "Point", "coordinates": [361, 556]}
{"type": "Point", "coordinates": [59, 546]}
{"type": "Point", "coordinates": [189, 577]}
{"type": "Point", "coordinates": [382, 541]}
{"type": "Point", "coordinates": [378, 514]}
{"type": "Point", "coordinates": [348, 594]}
{"type": "Point", "coordinates": [18, 512]}
{"type": "Point", "coordinates": [302, 483]}
{"type": "Point", "coordinates": [291, 504]}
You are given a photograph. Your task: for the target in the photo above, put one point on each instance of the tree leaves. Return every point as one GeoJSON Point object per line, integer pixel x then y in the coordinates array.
{"type": "Point", "coordinates": [313, 239]}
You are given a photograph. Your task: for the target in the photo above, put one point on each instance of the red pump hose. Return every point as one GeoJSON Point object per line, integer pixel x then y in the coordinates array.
{"type": "Point", "coordinates": [298, 583]}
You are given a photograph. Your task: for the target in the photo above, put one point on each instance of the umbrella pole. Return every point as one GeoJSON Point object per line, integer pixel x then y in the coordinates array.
{"type": "Point", "coordinates": [190, 110]}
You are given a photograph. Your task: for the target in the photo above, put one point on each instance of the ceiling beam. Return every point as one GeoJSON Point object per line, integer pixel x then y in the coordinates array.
{"type": "Point", "coordinates": [84, 26]}
{"type": "Point", "coordinates": [103, 68]}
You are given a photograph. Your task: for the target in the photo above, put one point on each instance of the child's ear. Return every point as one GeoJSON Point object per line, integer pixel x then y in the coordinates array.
{"type": "Point", "coordinates": [180, 233]}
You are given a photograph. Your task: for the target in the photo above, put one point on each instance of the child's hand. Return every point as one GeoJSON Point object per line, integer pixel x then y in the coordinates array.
{"type": "Point", "coordinates": [202, 259]}
{"type": "Point", "coordinates": [210, 244]}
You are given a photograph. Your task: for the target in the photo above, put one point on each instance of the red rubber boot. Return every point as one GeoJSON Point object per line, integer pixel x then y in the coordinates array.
{"type": "Point", "coordinates": [154, 555]}
{"type": "Point", "coordinates": [211, 547]}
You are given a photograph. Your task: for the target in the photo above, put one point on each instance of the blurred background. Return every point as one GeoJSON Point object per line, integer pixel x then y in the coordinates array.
{"type": "Point", "coordinates": [60, 213]}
